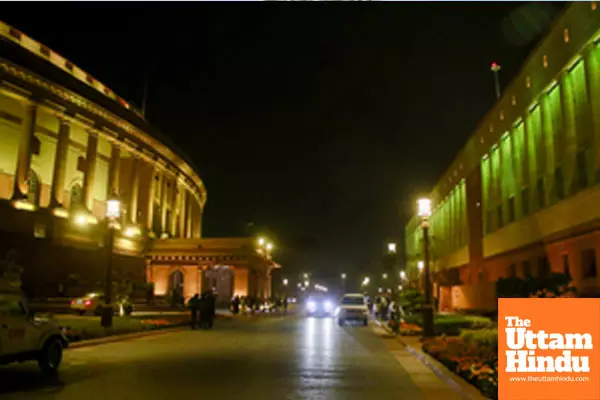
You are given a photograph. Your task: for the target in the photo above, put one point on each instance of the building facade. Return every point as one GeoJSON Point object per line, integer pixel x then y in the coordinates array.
{"type": "Point", "coordinates": [228, 266]}
{"type": "Point", "coordinates": [67, 144]}
{"type": "Point", "coordinates": [522, 198]}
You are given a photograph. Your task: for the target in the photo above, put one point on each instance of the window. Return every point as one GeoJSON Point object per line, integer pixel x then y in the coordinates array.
{"type": "Point", "coordinates": [566, 266]}
{"type": "Point", "coordinates": [499, 215]}
{"type": "Point", "coordinates": [541, 193]}
{"type": "Point", "coordinates": [582, 173]}
{"type": "Point", "coordinates": [528, 82]}
{"type": "Point", "coordinates": [525, 201]}
{"type": "Point", "coordinates": [589, 266]}
{"type": "Point", "coordinates": [545, 61]}
{"type": "Point", "coordinates": [559, 183]}
{"type": "Point", "coordinates": [566, 35]}
{"type": "Point", "coordinates": [594, 6]}
{"type": "Point", "coordinates": [511, 209]}
{"type": "Point", "coordinates": [512, 270]}
{"type": "Point", "coordinates": [513, 100]}
{"type": "Point", "coordinates": [501, 115]}
{"type": "Point", "coordinates": [491, 129]}
{"type": "Point", "coordinates": [544, 267]}
{"type": "Point", "coordinates": [526, 269]}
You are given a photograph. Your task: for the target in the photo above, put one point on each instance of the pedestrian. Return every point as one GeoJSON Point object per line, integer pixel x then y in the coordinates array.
{"type": "Point", "coordinates": [194, 305]}
{"type": "Point", "coordinates": [285, 305]}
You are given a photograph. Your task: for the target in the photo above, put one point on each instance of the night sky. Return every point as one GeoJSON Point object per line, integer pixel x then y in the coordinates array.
{"type": "Point", "coordinates": [318, 124]}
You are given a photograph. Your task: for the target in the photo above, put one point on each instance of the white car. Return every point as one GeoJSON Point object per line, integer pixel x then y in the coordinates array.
{"type": "Point", "coordinates": [25, 337]}
{"type": "Point", "coordinates": [94, 302]}
{"type": "Point", "coordinates": [353, 307]}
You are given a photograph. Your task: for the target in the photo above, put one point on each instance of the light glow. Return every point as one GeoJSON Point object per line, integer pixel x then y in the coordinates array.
{"type": "Point", "coordinates": [61, 213]}
{"type": "Point", "coordinates": [391, 247]}
{"type": "Point", "coordinates": [24, 205]}
{"type": "Point", "coordinates": [132, 231]}
{"type": "Point", "coordinates": [402, 275]}
{"type": "Point", "coordinates": [113, 208]}
{"type": "Point", "coordinates": [420, 265]}
{"type": "Point", "coordinates": [424, 207]}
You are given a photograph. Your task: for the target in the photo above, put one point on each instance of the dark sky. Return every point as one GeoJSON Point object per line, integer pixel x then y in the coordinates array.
{"type": "Point", "coordinates": [314, 121]}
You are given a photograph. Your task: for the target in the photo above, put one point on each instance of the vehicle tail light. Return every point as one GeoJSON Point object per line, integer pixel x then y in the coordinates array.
{"type": "Point", "coordinates": [88, 302]}
{"type": "Point", "coordinates": [72, 302]}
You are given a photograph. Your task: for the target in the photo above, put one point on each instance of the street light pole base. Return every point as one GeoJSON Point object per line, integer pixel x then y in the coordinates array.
{"type": "Point", "coordinates": [428, 325]}
{"type": "Point", "coordinates": [107, 317]}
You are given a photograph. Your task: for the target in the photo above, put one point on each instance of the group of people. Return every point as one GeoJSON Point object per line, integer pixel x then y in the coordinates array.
{"type": "Point", "coordinates": [202, 309]}
{"type": "Point", "coordinates": [252, 305]}
{"type": "Point", "coordinates": [386, 308]}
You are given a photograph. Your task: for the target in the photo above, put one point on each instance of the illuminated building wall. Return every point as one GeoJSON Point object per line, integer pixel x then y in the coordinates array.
{"type": "Point", "coordinates": [522, 195]}
{"type": "Point", "coordinates": [67, 142]}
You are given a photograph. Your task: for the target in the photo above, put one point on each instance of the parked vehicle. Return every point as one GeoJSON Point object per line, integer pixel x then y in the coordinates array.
{"type": "Point", "coordinates": [353, 307]}
{"type": "Point", "coordinates": [25, 337]}
{"type": "Point", "coordinates": [94, 302]}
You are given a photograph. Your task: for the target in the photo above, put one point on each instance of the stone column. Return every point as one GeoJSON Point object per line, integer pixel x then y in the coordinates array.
{"type": "Point", "coordinates": [182, 212]}
{"type": "Point", "coordinates": [151, 188]}
{"type": "Point", "coordinates": [60, 161]}
{"type": "Point", "coordinates": [164, 199]}
{"type": "Point", "coordinates": [90, 171]}
{"type": "Point", "coordinates": [189, 217]}
{"type": "Point", "coordinates": [174, 206]}
{"type": "Point", "coordinates": [21, 187]}
{"type": "Point", "coordinates": [113, 171]}
{"type": "Point", "coordinates": [199, 223]}
{"type": "Point", "coordinates": [134, 191]}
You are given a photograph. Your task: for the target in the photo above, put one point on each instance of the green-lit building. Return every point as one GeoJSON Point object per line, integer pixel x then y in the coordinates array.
{"type": "Point", "coordinates": [522, 198]}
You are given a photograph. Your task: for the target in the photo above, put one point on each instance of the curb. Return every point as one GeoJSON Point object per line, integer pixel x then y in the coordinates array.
{"type": "Point", "coordinates": [459, 385]}
{"type": "Point", "coordinates": [131, 336]}
{"type": "Point", "coordinates": [123, 337]}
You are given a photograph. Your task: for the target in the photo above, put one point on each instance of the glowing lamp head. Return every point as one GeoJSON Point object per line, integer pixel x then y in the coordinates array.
{"type": "Point", "coordinates": [420, 265]}
{"type": "Point", "coordinates": [285, 282]}
{"type": "Point", "coordinates": [261, 241]}
{"type": "Point", "coordinates": [391, 248]}
{"type": "Point", "coordinates": [113, 207]}
{"type": "Point", "coordinates": [343, 276]}
{"type": "Point", "coordinates": [269, 246]}
{"type": "Point", "coordinates": [402, 275]}
{"type": "Point", "coordinates": [424, 207]}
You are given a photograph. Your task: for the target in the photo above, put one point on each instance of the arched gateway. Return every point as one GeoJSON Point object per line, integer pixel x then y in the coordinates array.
{"type": "Point", "coordinates": [228, 266]}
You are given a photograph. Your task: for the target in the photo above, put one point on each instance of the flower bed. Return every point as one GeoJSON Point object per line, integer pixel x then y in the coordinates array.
{"type": "Point", "coordinates": [77, 329]}
{"type": "Point", "coordinates": [473, 356]}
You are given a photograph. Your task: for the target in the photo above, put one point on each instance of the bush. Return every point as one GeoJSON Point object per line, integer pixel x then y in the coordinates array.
{"type": "Point", "coordinates": [452, 324]}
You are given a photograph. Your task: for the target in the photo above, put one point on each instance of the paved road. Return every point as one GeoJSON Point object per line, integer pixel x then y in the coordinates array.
{"type": "Point", "coordinates": [267, 358]}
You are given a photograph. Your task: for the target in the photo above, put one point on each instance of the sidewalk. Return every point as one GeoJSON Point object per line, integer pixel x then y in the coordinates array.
{"type": "Point", "coordinates": [432, 378]}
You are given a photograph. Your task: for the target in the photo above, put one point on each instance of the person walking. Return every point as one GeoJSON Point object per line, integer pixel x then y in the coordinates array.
{"type": "Point", "coordinates": [194, 306]}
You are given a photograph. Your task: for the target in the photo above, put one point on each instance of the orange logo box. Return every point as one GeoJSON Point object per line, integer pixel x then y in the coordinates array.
{"type": "Point", "coordinates": [549, 349]}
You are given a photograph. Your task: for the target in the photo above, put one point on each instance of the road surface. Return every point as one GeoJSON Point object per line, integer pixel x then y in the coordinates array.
{"type": "Point", "coordinates": [275, 358]}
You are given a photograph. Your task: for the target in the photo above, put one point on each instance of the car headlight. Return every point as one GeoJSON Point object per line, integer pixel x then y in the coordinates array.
{"type": "Point", "coordinates": [328, 306]}
{"type": "Point", "coordinates": [311, 306]}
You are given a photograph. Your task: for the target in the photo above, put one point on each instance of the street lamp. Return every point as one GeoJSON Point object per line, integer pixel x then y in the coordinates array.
{"type": "Point", "coordinates": [305, 276]}
{"type": "Point", "coordinates": [261, 242]}
{"type": "Point", "coordinates": [420, 265]}
{"type": "Point", "coordinates": [343, 276]}
{"type": "Point", "coordinates": [285, 282]}
{"type": "Point", "coordinates": [391, 248]}
{"type": "Point", "coordinates": [113, 213]}
{"type": "Point", "coordinates": [403, 275]}
{"type": "Point", "coordinates": [306, 283]}
{"type": "Point", "coordinates": [384, 276]}
{"type": "Point", "coordinates": [366, 281]}
{"type": "Point", "coordinates": [424, 211]}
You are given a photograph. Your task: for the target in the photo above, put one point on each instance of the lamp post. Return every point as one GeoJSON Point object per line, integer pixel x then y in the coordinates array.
{"type": "Point", "coordinates": [113, 213]}
{"type": "Point", "coordinates": [343, 276]}
{"type": "Point", "coordinates": [424, 211]}
{"type": "Point", "coordinates": [495, 68]}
